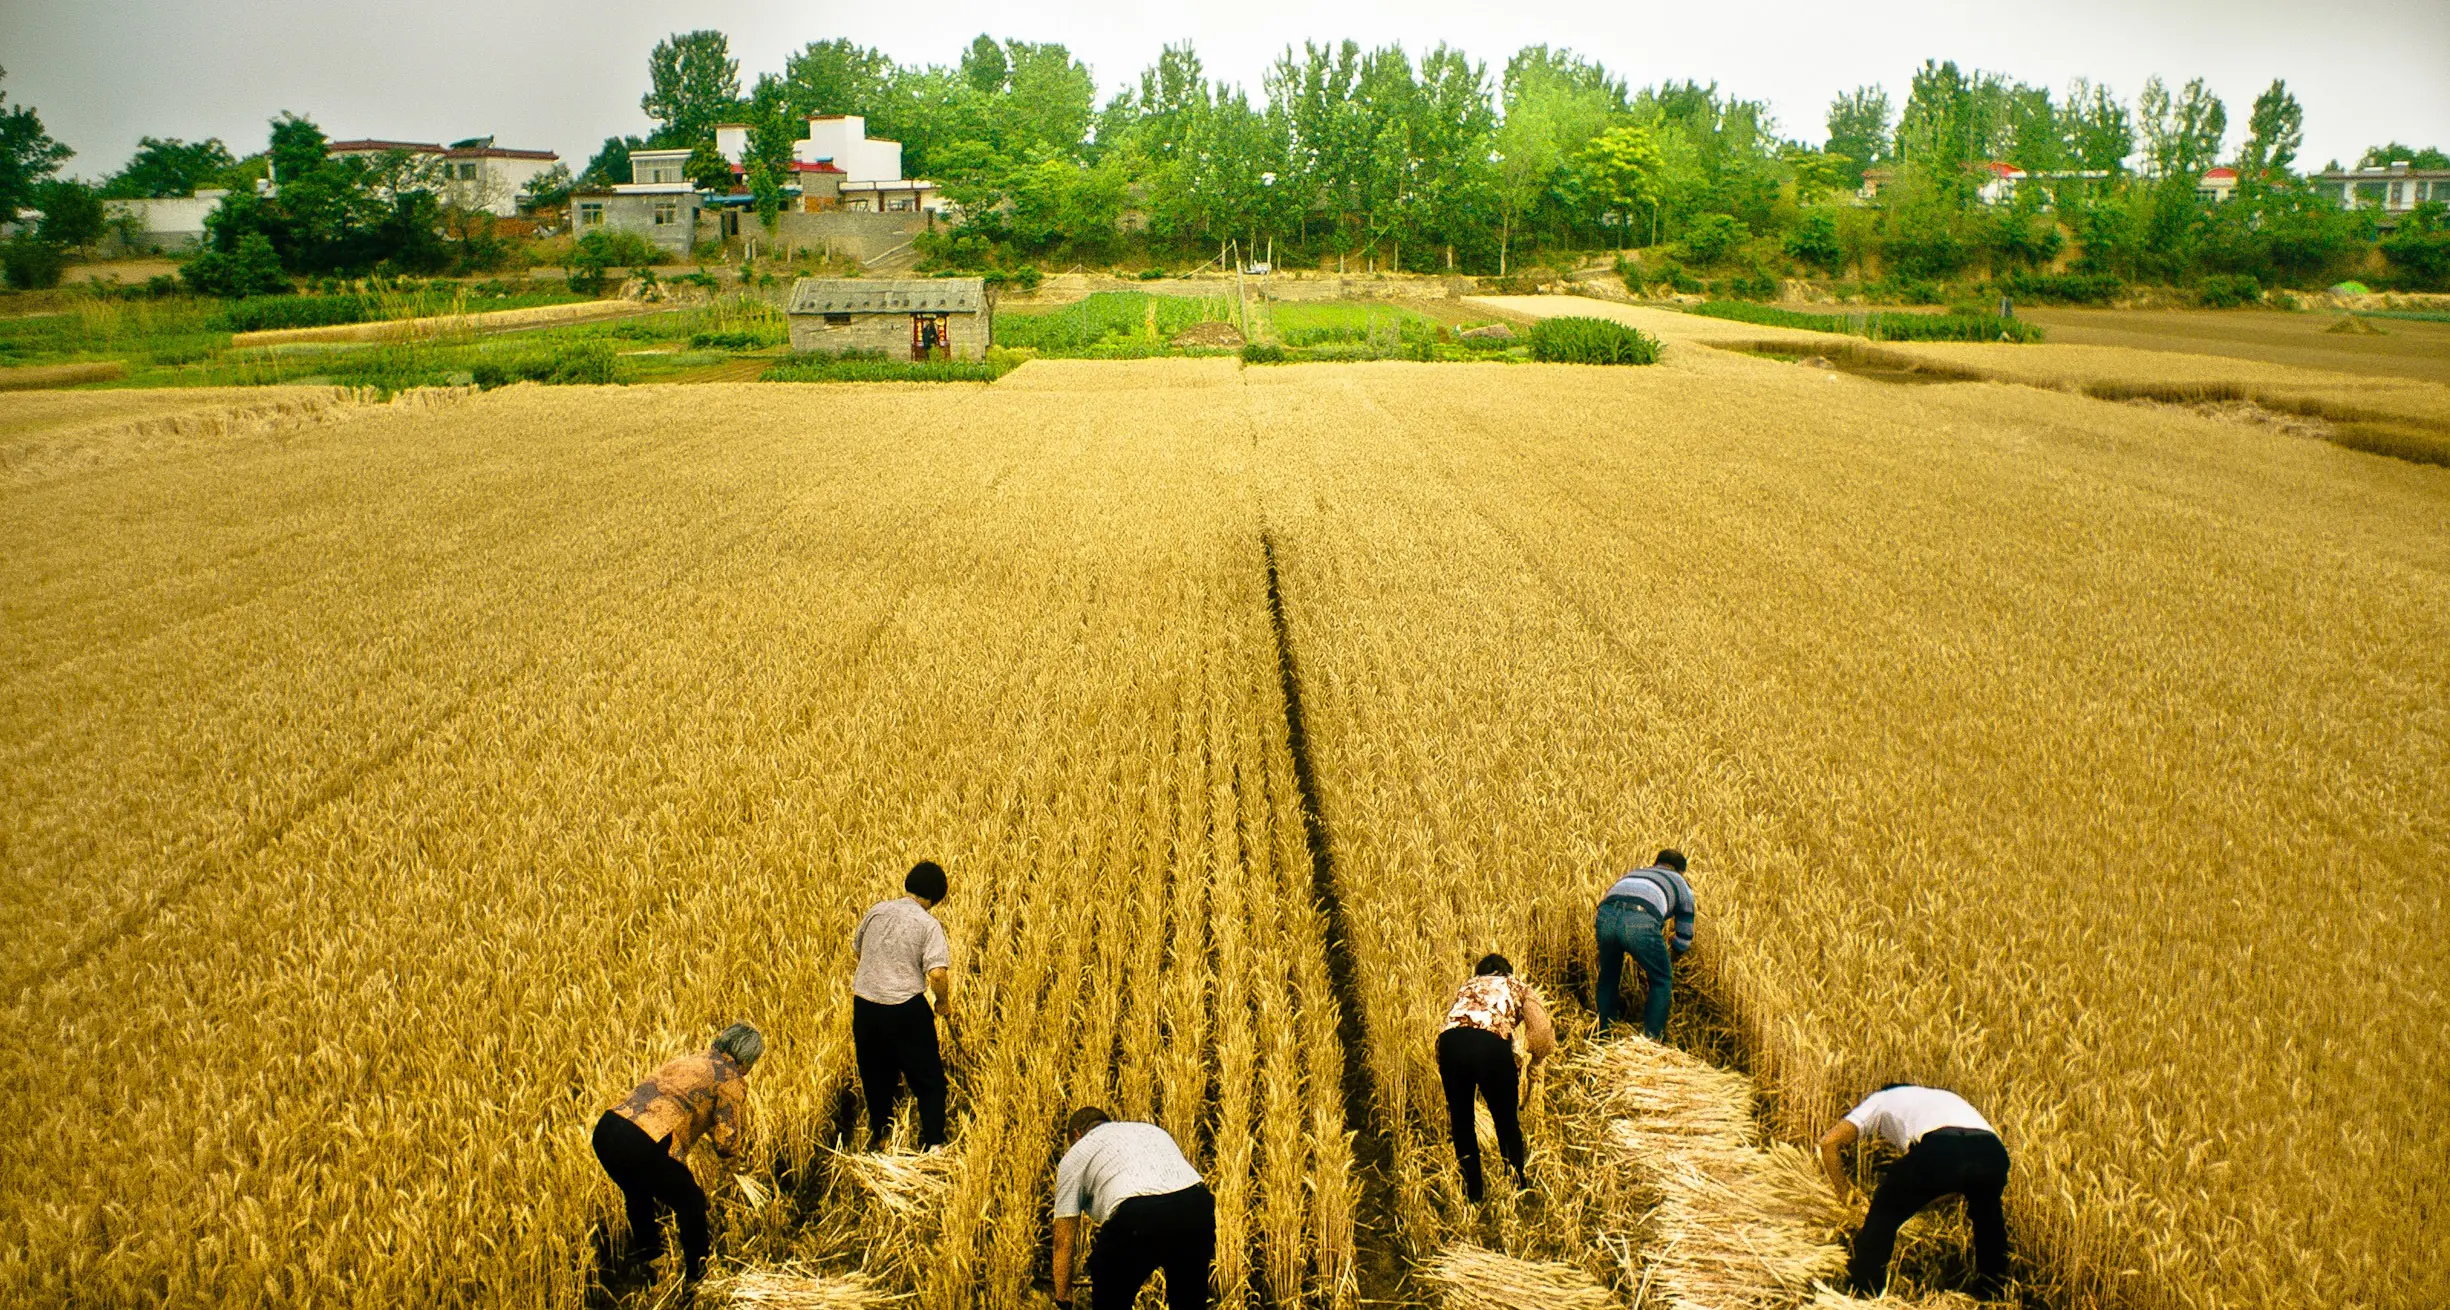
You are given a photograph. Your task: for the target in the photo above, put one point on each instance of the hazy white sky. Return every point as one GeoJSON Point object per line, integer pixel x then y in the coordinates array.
{"type": "Point", "coordinates": [564, 76]}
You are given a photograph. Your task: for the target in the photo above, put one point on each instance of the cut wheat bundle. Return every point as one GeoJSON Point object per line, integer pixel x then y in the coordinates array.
{"type": "Point", "coordinates": [1475, 1278]}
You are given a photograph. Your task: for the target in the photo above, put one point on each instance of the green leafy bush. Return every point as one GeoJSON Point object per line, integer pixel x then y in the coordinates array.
{"type": "Point", "coordinates": [1814, 241]}
{"type": "Point", "coordinates": [32, 264]}
{"type": "Point", "coordinates": [1151, 274]}
{"type": "Point", "coordinates": [2228, 291]}
{"type": "Point", "coordinates": [1759, 284]}
{"type": "Point", "coordinates": [1262, 352]}
{"type": "Point", "coordinates": [1711, 238]}
{"type": "Point", "coordinates": [1591, 341]}
{"type": "Point", "coordinates": [252, 269]}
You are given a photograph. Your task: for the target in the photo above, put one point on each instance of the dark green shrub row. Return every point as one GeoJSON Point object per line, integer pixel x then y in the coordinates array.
{"type": "Point", "coordinates": [877, 368]}
{"type": "Point", "coordinates": [1591, 341]}
{"type": "Point", "coordinates": [265, 313]}
{"type": "Point", "coordinates": [2062, 288]}
{"type": "Point", "coordinates": [2229, 291]}
{"type": "Point", "coordinates": [583, 363]}
{"type": "Point", "coordinates": [1878, 327]}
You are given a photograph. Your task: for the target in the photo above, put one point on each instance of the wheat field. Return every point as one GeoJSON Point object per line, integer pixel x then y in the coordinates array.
{"type": "Point", "coordinates": [390, 785]}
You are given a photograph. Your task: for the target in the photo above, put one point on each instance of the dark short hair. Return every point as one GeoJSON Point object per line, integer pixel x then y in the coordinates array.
{"type": "Point", "coordinates": [1086, 1118]}
{"type": "Point", "coordinates": [1493, 963]}
{"type": "Point", "coordinates": [925, 881]}
{"type": "Point", "coordinates": [1890, 1087]}
{"type": "Point", "coordinates": [1671, 858]}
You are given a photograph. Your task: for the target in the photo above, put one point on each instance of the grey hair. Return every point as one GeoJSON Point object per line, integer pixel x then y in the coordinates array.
{"type": "Point", "coordinates": [741, 1042]}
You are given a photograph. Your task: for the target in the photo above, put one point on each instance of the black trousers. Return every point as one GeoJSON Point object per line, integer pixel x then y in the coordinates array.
{"type": "Point", "coordinates": [649, 1177]}
{"type": "Point", "coordinates": [1474, 1060]}
{"type": "Point", "coordinates": [1175, 1232]}
{"type": "Point", "coordinates": [897, 1044]}
{"type": "Point", "coordinates": [1963, 1161]}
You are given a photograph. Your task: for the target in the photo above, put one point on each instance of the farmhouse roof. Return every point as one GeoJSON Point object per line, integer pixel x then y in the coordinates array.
{"type": "Point", "coordinates": [370, 146]}
{"type": "Point", "coordinates": [496, 152]}
{"type": "Point", "coordinates": [951, 295]}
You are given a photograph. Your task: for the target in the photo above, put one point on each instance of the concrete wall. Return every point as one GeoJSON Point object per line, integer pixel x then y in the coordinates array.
{"type": "Point", "coordinates": [175, 223]}
{"type": "Point", "coordinates": [886, 333]}
{"type": "Point", "coordinates": [851, 235]}
{"type": "Point", "coordinates": [636, 213]}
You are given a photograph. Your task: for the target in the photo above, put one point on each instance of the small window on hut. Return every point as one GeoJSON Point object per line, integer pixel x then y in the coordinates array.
{"type": "Point", "coordinates": [837, 320]}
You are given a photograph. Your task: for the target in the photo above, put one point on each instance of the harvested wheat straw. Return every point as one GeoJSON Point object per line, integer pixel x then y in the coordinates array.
{"type": "Point", "coordinates": [1476, 1278]}
{"type": "Point", "coordinates": [1740, 1223]}
{"type": "Point", "coordinates": [793, 1288]}
{"type": "Point", "coordinates": [909, 1185]}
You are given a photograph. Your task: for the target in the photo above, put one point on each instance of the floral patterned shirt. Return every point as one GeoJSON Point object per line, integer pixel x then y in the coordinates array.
{"type": "Point", "coordinates": [696, 1095]}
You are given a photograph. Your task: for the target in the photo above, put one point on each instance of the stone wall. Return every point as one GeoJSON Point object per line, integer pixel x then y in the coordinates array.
{"type": "Point", "coordinates": [886, 334]}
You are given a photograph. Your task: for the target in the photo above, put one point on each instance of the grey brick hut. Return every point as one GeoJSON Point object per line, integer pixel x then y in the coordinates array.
{"type": "Point", "coordinates": [908, 318]}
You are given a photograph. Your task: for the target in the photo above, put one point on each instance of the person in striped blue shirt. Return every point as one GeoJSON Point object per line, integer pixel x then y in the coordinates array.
{"type": "Point", "coordinates": [1634, 920]}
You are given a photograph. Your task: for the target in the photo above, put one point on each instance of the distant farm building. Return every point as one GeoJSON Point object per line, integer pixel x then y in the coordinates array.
{"type": "Point", "coordinates": [659, 202]}
{"type": "Point", "coordinates": [2394, 190]}
{"type": "Point", "coordinates": [474, 174]}
{"type": "Point", "coordinates": [914, 318]}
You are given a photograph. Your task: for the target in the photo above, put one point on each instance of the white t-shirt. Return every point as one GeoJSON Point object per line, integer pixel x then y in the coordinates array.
{"type": "Point", "coordinates": [1901, 1115]}
{"type": "Point", "coordinates": [1115, 1162]}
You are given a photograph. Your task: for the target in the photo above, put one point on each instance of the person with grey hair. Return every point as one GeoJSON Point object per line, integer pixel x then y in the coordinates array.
{"type": "Point", "coordinates": [643, 1143]}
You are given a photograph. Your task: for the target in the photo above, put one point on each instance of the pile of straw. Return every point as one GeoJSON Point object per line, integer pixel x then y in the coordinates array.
{"type": "Point", "coordinates": [1476, 1278]}
{"type": "Point", "coordinates": [794, 1288]}
{"type": "Point", "coordinates": [909, 1185]}
{"type": "Point", "coordinates": [1741, 1224]}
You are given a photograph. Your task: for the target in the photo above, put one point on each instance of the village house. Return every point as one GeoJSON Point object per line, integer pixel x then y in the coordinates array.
{"type": "Point", "coordinates": [909, 318]}
{"type": "Point", "coordinates": [2394, 190]}
{"type": "Point", "coordinates": [658, 203]}
{"type": "Point", "coordinates": [473, 174]}
{"type": "Point", "coordinates": [838, 165]}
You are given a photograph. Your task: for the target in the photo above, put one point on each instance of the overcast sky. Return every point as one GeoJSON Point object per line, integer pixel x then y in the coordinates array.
{"type": "Point", "coordinates": [564, 76]}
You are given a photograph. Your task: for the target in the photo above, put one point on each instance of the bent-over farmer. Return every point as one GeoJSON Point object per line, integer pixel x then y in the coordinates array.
{"type": "Point", "coordinates": [903, 960]}
{"type": "Point", "coordinates": [1949, 1148]}
{"type": "Point", "coordinates": [643, 1142]}
{"type": "Point", "coordinates": [1152, 1211]}
{"type": "Point", "coordinates": [1632, 920]}
{"type": "Point", "coordinates": [1476, 1056]}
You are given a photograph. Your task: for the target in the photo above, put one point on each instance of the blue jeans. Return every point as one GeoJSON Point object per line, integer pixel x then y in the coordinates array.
{"type": "Point", "coordinates": [1628, 926]}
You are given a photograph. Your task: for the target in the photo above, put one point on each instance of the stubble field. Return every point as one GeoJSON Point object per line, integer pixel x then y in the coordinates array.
{"type": "Point", "coordinates": [388, 786]}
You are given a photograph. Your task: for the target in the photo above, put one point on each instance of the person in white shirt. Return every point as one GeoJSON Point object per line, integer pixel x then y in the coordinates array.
{"type": "Point", "coordinates": [1950, 1149]}
{"type": "Point", "coordinates": [903, 960]}
{"type": "Point", "coordinates": [1151, 1208]}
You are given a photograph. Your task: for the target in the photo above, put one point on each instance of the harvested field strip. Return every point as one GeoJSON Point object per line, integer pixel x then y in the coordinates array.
{"type": "Point", "coordinates": [36, 377]}
{"type": "Point", "coordinates": [415, 329]}
{"type": "Point", "coordinates": [1741, 1224]}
